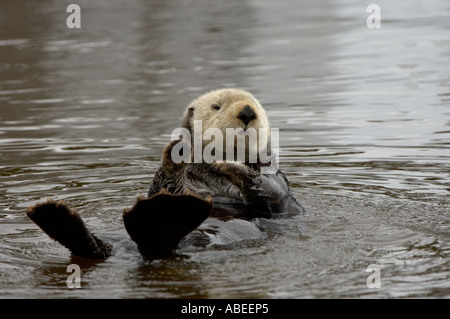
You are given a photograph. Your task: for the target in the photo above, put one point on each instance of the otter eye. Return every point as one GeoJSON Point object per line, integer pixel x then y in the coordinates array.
{"type": "Point", "coordinates": [216, 107]}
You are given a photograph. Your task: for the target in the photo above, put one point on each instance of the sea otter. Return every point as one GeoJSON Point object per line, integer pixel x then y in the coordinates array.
{"type": "Point", "coordinates": [186, 190]}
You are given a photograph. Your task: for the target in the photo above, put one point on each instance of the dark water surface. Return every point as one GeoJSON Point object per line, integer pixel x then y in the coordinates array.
{"type": "Point", "coordinates": [364, 119]}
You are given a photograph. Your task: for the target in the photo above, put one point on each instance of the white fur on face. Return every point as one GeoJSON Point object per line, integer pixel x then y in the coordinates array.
{"type": "Point", "coordinates": [220, 109]}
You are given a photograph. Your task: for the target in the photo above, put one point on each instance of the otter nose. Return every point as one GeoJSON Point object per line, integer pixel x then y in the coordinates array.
{"type": "Point", "coordinates": [247, 114]}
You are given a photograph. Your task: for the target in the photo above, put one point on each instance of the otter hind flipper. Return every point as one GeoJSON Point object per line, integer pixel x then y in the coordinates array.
{"type": "Point", "coordinates": [157, 224]}
{"type": "Point", "coordinates": [65, 226]}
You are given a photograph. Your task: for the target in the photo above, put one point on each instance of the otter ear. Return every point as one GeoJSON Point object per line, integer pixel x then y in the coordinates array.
{"type": "Point", "coordinates": [186, 121]}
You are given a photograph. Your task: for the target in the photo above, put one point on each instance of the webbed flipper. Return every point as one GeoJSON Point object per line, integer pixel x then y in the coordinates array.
{"type": "Point", "coordinates": [157, 224]}
{"type": "Point", "coordinates": [66, 227]}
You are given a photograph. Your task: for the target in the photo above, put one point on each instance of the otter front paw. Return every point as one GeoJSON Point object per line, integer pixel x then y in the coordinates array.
{"type": "Point", "coordinates": [237, 173]}
{"type": "Point", "coordinates": [171, 173]}
{"type": "Point", "coordinates": [175, 156]}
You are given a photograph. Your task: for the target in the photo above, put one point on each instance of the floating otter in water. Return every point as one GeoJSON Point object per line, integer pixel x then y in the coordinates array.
{"type": "Point", "coordinates": [187, 188]}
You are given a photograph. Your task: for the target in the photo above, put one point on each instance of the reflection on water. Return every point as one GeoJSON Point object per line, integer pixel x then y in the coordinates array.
{"type": "Point", "coordinates": [364, 132]}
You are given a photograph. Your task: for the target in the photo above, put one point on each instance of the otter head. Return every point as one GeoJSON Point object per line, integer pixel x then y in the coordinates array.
{"type": "Point", "coordinates": [229, 111]}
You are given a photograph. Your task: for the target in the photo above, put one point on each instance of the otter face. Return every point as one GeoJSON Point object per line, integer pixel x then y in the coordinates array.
{"type": "Point", "coordinates": [229, 109]}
